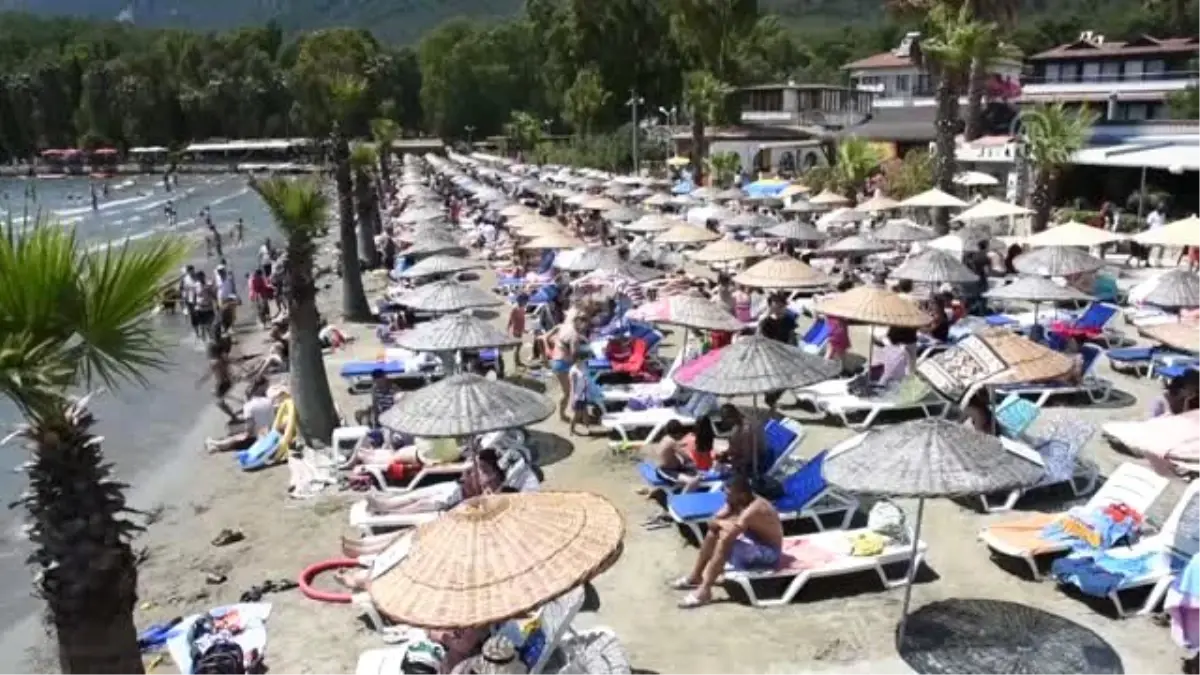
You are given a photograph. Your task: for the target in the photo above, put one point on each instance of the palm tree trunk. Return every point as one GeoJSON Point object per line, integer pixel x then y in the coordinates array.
{"type": "Point", "coordinates": [385, 167]}
{"type": "Point", "coordinates": [354, 300]}
{"type": "Point", "coordinates": [306, 364]}
{"type": "Point", "coordinates": [364, 200]}
{"type": "Point", "coordinates": [1043, 199]}
{"type": "Point", "coordinates": [88, 574]}
{"type": "Point", "coordinates": [945, 126]}
{"type": "Point", "coordinates": [976, 87]}
{"type": "Point", "coordinates": [697, 150]}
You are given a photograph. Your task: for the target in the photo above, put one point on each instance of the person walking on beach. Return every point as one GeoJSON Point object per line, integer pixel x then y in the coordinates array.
{"type": "Point", "coordinates": [578, 379]}
{"type": "Point", "coordinates": [227, 297]}
{"type": "Point", "coordinates": [204, 310]}
{"type": "Point", "coordinates": [516, 326]}
{"type": "Point", "coordinates": [221, 370]}
{"type": "Point", "coordinates": [239, 232]}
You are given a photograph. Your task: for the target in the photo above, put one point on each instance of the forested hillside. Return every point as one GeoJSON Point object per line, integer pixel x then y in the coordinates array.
{"type": "Point", "coordinates": [405, 21]}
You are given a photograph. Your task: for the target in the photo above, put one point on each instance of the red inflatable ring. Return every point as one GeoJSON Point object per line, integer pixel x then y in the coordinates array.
{"type": "Point", "coordinates": [312, 571]}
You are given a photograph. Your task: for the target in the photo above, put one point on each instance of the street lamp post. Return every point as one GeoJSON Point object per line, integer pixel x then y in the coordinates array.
{"type": "Point", "coordinates": [470, 130]}
{"type": "Point", "coordinates": [633, 103]}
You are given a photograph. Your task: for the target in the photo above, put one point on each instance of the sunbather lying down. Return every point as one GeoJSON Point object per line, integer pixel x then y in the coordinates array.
{"type": "Point", "coordinates": [746, 533]}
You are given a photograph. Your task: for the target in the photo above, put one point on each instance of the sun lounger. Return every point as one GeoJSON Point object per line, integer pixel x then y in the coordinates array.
{"type": "Point", "coordinates": [1091, 324]}
{"type": "Point", "coordinates": [806, 496]}
{"type": "Point", "coordinates": [857, 412]}
{"type": "Point", "coordinates": [1096, 388]}
{"type": "Point", "coordinates": [1058, 453]}
{"type": "Point", "coordinates": [825, 554]}
{"type": "Point", "coordinates": [783, 438]}
{"type": "Point", "coordinates": [1139, 360]}
{"type": "Point", "coordinates": [816, 338]}
{"type": "Point", "coordinates": [1169, 550]}
{"type": "Point", "coordinates": [1021, 538]}
{"type": "Point", "coordinates": [664, 390]}
{"type": "Point", "coordinates": [411, 366]}
{"type": "Point", "coordinates": [656, 419]}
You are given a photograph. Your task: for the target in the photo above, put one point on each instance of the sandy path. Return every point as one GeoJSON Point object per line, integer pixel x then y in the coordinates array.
{"type": "Point", "coordinates": [834, 626]}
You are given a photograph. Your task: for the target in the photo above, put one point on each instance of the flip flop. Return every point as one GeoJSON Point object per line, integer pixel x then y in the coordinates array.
{"type": "Point", "coordinates": [682, 584]}
{"type": "Point", "coordinates": [227, 537]}
{"type": "Point", "coordinates": [657, 522]}
{"type": "Point", "coordinates": [692, 601]}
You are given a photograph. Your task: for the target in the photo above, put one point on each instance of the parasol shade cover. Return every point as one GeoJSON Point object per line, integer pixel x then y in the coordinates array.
{"type": "Point", "coordinates": [466, 405]}
{"type": "Point", "coordinates": [755, 365]}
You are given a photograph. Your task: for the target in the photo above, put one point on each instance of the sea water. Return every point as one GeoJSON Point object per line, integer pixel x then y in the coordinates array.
{"type": "Point", "coordinates": [143, 425]}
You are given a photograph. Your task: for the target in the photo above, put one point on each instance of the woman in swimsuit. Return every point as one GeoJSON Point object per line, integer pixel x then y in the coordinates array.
{"type": "Point", "coordinates": [564, 344]}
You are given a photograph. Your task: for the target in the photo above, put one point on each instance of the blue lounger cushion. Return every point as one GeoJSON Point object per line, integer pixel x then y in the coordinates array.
{"type": "Point", "coordinates": [799, 489]}
{"type": "Point", "coordinates": [365, 368]}
{"type": "Point", "coordinates": [1131, 354]}
{"type": "Point", "coordinates": [698, 505]}
{"type": "Point", "coordinates": [652, 477]}
{"type": "Point", "coordinates": [999, 320]}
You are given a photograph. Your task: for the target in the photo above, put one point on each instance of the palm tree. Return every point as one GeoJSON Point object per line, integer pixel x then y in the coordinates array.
{"type": "Point", "coordinates": [366, 200]}
{"type": "Point", "coordinates": [705, 96]}
{"type": "Point", "coordinates": [385, 131]}
{"type": "Point", "coordinates": [69, 318]}
{"type": "Point", "coordinates": [723, 166]}
{"type": "Point", "coordinates": [584, 100]}
{"type": "Point", "coordinates": [345, 96]}
{"type": "Point", "coordinates": [1053, 134]}
{"type": "Point", "coordinates": [855, 161]}
{"type": "Point", "coordinates": [955, 40]}
{"type": "Point", "coordinates": [299, 208]}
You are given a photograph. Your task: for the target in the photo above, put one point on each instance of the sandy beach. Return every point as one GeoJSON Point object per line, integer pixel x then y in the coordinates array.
{"type": "Point", "coordinates": [838, 625]}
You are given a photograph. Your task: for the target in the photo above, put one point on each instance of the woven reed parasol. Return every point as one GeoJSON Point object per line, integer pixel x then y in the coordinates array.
{"type": "Point", "coordinates": [653, 222]}
{"type": "Point", "coordinates": [686, 234]}
{"type": "Point", "coordinates": [932, 199]}
{"type": "Point", "coordinates": [992, 208]}
{"type": "Point", "coordinates": [755, 365]}
{"type": "Point", "coordinates": [780, 271]}
{"type": "Point", "coordinates": [465, 405]}
{"type": "Point", "coordinates": [577, 199]}
{"type": "Point", "coordinates": [874, 305]}
{"type": "Point", "coordinates": [533, 229]}
{"type": "Point", "coordinates": [623, 214]}
{"type": "Point", "coordinates": [433, 245]}
{"type": "Point", "coordinates": [927, 458]}
{"type": "Point", "coordinates": [423, 230]}
{"type": "Point", "coordinates": [1184, 336]}
{"type": "Point", "coordinates": [877, 204]}
{"type": "Point", "coordinates": [1184, 232]}
{"type": "Point", "coordinates": [553, 242]}
{"type": "Point", "coordinates": [934, 266]}
{"type": "Point", "coordinates": [725, 250]}
{"type": "Point", "coordinates": [852, 247]}
{"type": "Point", "coordinates": [796, 230]}
{"type": "Point", "coordinates": [687, 311]}
{"type": "Point", "coordinates": [968, 635]}
{"type": "Point", "coordinates": [617, 191]}
{"type": "Point", "coordinates": [658, 199]}
{"type": "Point", "coordinates": [587, 259]}
{"type": "Point", "coordinates": [902, 230]}
{"type": "Point", "coordinates": [499, 556]}
{"type": "Point", "coordinates": [992, 357]}
{"type": "Point", "coordinates": [514, 210]}
{"type": "Point", "coordinates": [751, 221]}
{"type": "Point", "coordinates": [1072, 234]}
{"type": "Point", "coordinates": [802, 206]}
{"type": "Point", "coordinates": [1056, 261]}
{"type": "Point", "coordinates": [438, 265]}
{"type": "Point", "coordinates": [453, 333]}
{"type": "Point", "coordinates": [843, 215]}
{"type": "Point", "coordinates": [1177, 289]}
{"type": "Point", "coordinates": [828, 198]}
{"type": "Point", "coordinates": [447, 296]}
{"type": "Point", "coordinates": [684, 201]}
{"type": "Point", "coordinates": [1036, 289]}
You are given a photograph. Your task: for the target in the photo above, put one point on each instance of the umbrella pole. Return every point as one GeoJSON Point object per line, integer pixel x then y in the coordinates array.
{"type": "Point", "coordinates": [913, 566]}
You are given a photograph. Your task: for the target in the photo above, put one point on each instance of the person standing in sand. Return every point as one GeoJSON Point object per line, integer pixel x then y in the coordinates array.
{"type": "Point", "coordinates": [516, 325]}
{"type": "Point", "coordinates": [746, 533]}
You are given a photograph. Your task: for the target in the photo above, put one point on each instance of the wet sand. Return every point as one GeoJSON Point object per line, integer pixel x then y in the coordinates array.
{"type": "Point", "coordinates": [836, 625]}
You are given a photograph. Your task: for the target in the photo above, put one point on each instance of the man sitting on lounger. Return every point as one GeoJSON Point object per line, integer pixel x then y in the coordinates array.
{"type": "Point", "coordinates": [746, 534]}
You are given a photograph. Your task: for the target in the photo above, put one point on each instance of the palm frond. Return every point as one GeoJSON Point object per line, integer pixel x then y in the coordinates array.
{"type": "Point", "coordinates": [363, 157]}
{"type": "Point", "coordinates": [299, 207]}
{"type": "Point", "coordinates": [1054, 133]}
{"type": "Point", "coordinates": [384, 130]}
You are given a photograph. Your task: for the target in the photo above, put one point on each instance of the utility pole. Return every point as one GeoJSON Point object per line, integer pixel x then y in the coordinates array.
{"type": "Point", "coordinates": [633, 103]}
{"type": "Point", "coordinates": [470, 130]}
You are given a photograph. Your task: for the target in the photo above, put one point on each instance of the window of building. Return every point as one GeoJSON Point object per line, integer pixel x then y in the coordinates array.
{"type": "Point", "coordinates": [924, 84]}
{"type": "Point", "coordinates": [1053, 72]}
{"type": "Point", "coordinates": [1091, 71]}
{"type": "Point", "coordinates": [1155, 69]}
{"type": "Point", "coordinates": [1070, 71]}
{"type": "Point", "coordinates": [902, 84]}
{"type": "Point", "coordinates": [1110, 71]}
{"type": "Point", "coordinates": [1137, 111]}
{"type": "Point", "coordinates": [1133, 70]}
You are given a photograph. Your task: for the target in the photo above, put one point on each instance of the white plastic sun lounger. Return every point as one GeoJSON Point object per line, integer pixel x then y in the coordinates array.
{"type": "Point", "coordinates": [656, 419]}
{"type": "Point", "coordinates": [1064, 467]}
{"type": "Point", "coordinates": [859, 413]}
{"type": "Point", "coordinates": [1096, 388]}
{"type": "Point", "coordinates": [838, 564]}
{"type": "Point", "coordinates": [1176, 539]}
{"type": "Point", "coordinates": [1130, 484]}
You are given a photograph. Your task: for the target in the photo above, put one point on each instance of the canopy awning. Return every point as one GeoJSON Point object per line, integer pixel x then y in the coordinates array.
{"type": "Point", "coordinates": [1168, 156]}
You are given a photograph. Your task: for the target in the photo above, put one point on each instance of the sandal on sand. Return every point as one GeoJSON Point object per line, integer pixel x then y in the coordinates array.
{"type": "Point", "coordinates": [657, 522]}
{"type": "Point", "coordinates": [227, 537]}
{"type": "Point", "coordinates": [692, 601]}
{"type": "Point", "coordinates": [683, 584]}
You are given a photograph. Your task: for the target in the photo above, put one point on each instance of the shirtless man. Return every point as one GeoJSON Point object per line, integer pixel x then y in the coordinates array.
{"type": "Point", "coordinates": [746, 533]}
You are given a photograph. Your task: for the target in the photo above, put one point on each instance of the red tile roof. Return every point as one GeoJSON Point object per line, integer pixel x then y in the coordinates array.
{"type": "Point", "coordinates": [1144, 45]}
{"type": "Point", "coordinates": [882, 60]}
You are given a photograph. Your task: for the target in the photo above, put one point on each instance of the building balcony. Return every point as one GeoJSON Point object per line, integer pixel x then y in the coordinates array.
{"type": "Point", "coordinates": [816, 118]}
{"type": "Point", "coordinates": [1142, 83]}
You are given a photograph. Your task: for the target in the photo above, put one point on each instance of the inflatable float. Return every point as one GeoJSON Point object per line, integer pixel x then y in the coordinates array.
{"type": "Point", "coordinates": [273, 446]}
